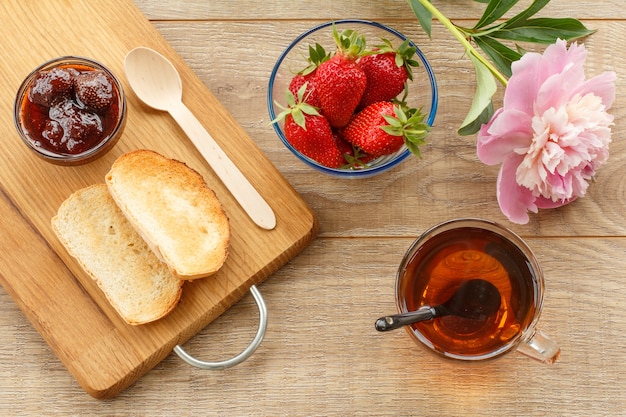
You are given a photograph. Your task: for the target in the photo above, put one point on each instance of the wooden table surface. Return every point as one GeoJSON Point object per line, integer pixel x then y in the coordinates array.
{"type": "Point", "coordinates": [321, 354]}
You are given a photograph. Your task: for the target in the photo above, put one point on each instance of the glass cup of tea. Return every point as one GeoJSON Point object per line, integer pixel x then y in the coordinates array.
{"type": "Point", "coordinates": [483, 288]}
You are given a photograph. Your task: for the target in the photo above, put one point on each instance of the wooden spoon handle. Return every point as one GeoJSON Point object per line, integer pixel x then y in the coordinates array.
{"type": "Point", "coordinates": [239, 186]}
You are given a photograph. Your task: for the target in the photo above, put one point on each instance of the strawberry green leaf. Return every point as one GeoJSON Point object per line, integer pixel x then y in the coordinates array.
{"type": "Point", "coordinates": [403, 54]}
{"type": "Point", "coordinates": [401, 114]}
{"type": "Point", "coordinates": [485, 89]}
{"type": "Point", "coordinates": [410, 125]}
{"type": "Point", "coordinates": [350, 43]}
{"type": "Point", "coordinates": [301, 92]}
{"type": "Point", "coordinates": [384, 47]}
{"type": "Point", "coordinates": [394, 123]}
{"type": "Point", "coordinates": [297, 109]}
{"type": "Point", "coordinates": [308, 109]}
{"type": "Point", "coordinates": [298, 117]}
{"type": "Point", "coordinates": [281, 115]}
{"type": "Point", "coordinates": [317, 55]}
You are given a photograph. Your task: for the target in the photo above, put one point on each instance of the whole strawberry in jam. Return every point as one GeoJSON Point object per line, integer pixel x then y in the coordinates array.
{"type": "Point", "coordinates": [382, 128]}
{"type": "Point", "coordinates": [339, 82]}
{"type": "Point", "coordinates": [51, 86]}
{"type": "Point", "coordinates": [387, 71]}
{"type": "Point", "coordinates": [94, 89]}
{"type": "Point", "coordinates": [78, 126]}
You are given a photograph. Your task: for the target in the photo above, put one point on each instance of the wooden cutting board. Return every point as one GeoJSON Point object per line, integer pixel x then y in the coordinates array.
{"type": "Point", "coordinates": [103, 353]}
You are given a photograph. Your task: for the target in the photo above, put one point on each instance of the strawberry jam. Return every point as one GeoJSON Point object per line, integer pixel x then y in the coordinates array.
{"type": "Point", "coordinates": [70, 109]}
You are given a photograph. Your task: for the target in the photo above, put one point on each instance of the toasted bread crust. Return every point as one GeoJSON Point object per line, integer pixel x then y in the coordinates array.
{"type": "Point", "coordinates": [173, 209]}
{"type": "Point", "coordinates": [92, 228]}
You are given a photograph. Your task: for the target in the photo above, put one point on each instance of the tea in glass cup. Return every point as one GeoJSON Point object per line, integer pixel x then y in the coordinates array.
{"type": "Point", "coordinates": [436, 271]}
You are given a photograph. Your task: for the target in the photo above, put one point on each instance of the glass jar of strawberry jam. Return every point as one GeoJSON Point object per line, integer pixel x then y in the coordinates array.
{"type": "Point", "coordinates": [70, 110]}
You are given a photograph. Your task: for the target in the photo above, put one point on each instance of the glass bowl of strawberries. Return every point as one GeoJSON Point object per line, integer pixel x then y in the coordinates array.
{"type": "Point", "coordinates": [70, 110]}
{"type": "Point", "coordinates": [352, 98]}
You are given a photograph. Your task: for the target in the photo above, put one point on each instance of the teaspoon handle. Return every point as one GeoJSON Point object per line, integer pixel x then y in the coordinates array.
{"type": "Point", "coordinates": [238, 185]}
{"type": "Point", "coordinates": [396, 321]}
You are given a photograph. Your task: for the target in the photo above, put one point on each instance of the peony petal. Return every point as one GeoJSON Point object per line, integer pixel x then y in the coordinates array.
{"type": "Point", "coordinates": [558, 90]}
{"type": "Point", "coordinates": [546, 203]}
{"type": "Point", "coordinates": [557, 58]}
{"type": "Point", "coordinates": [514, 200]}
{"type": "Point", "coordinates": [506, 132]}
{"type": "Point", "coordinates": [533, 70]}
{"type": "Point", "coordinates": [602, 85]}
{"type": "Point", "coordinates": [524, 83]}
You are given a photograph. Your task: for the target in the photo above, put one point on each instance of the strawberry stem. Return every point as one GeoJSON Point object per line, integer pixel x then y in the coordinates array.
{"type": "Point", "coordinates": [350, 44]}
{"type": "Point", "coordinates": [297, 108]}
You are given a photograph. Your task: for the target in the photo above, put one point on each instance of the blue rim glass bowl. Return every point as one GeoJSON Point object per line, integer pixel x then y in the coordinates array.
{"type": "Point", "coordinates": [422, 90]}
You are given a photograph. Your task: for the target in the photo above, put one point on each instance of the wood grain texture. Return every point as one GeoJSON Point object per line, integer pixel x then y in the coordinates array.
{"type": "Point", "coordinates": [321, 355]}
{"type": "Point", "coordinates": [99, 349]}
{"type": "Point", "coordinates": [449, 175]}
{"type": "Point", "coordinates": [329, 9]}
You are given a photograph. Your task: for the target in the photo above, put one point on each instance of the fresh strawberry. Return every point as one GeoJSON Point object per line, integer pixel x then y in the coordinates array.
{"type": "Point", "coordinates": [339, 82]}
{"type": "Point", "coordinates": [355, 157]}
{"type": "Point", "coordinates": [387, 71]}
{"type": "Point", "coordinates": [317, 55]}
{"type": "Point", "coordinates": [343, 145]}
{"type": "Point", "coordinates": [310, 95]}
{"type": "Point", "coordinates": [315, 141]}
{"type": "Point", "coordinates": [382, 128]}
{"type": "Point", "coordinates": [309, 132]}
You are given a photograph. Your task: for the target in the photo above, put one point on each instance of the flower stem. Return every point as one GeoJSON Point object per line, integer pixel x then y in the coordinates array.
{"type": "Point", "coordinates": [461, 38]}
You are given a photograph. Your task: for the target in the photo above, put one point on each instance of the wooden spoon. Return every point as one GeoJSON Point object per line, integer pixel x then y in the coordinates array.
{"type": "Point", "coordinates": [157, 83]}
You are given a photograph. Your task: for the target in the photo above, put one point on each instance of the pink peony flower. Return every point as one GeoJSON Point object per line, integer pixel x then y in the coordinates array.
{"type": "Point", "coordinates": [552, 132]}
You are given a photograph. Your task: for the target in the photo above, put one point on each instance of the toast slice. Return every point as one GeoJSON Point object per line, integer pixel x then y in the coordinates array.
{"type": "Point", "coordinates": [92, 228]}
{"type": "Point", "coordinates": [173, 209]}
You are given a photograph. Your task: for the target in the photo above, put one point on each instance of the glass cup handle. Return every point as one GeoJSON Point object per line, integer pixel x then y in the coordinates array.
{"type": "Point", "coordinates": [540, 347]}
{"type": "Point", "coordinates": [245, 354]}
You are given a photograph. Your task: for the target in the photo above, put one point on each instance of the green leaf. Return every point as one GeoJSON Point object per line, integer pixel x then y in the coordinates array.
{"type": "Point", "coordinates": [423, 15]}
{"type": "Point", "coordinates": [485, 89]}
{"type": "Point", "coordinates": [501, 55]}
{"type": "Point", "coordinates": [317, 55]}
{"type": "Point", "coordinates": [544, 31]}
{"type": "Point", "coordinates": [298, 117]}
{"type": "Point", "coordinates": [475, 126]}
{"type": "Point", "coordinates": [494, 11]}
{"type": "Point", "coordinates": [520, 18]}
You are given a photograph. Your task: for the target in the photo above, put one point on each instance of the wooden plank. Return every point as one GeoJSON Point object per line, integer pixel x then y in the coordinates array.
{"type": "Point", "coordinates": [329, 9]}
{"type": "Point", "coordinates": [104, 354]}
{"type": "Point", "coordinates": [321, 355]}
